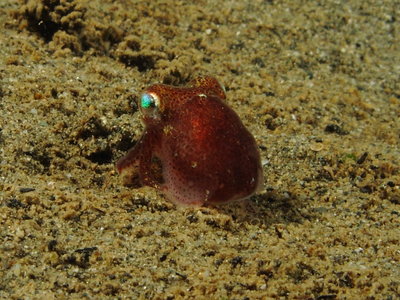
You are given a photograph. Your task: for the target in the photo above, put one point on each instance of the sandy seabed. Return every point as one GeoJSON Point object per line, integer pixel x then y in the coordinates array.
{"type": "Point", "coordinates": [316, 84]}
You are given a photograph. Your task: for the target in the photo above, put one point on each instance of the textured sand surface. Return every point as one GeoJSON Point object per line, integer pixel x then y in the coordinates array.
{"type": "Point", "coordinates": [317, 85]}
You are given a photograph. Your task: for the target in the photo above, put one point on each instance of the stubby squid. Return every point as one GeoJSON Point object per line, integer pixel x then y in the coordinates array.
{"type": "Point", "coordinates": [194, 147]}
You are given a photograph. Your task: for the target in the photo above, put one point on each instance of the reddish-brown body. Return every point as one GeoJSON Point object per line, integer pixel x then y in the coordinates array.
{"type": "Point", "coordinates": [197, 142]}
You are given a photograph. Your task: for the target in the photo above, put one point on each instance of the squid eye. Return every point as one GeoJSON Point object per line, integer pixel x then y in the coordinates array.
{"type": "Point", "coordinates": [149, 101]}
{"type": "Point", "coordinates": [149, 104]}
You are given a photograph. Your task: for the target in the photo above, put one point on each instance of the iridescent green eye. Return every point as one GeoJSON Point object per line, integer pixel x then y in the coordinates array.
{"type": "Point", "coordinates": [147, 101]}
{"type": "Point", "coordinates": [149, 105]}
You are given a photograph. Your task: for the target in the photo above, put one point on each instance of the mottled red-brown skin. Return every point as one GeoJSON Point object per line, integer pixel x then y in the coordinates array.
{"type": "Point", "coordinates": [203, 151]}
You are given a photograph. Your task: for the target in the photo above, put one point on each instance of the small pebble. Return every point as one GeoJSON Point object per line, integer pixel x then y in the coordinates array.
{"type": "Point", "coordinates": [26, 189]}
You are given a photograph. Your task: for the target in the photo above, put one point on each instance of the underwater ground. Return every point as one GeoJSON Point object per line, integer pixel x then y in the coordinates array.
{"type": "Point", "coordinates": [316, 84]}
